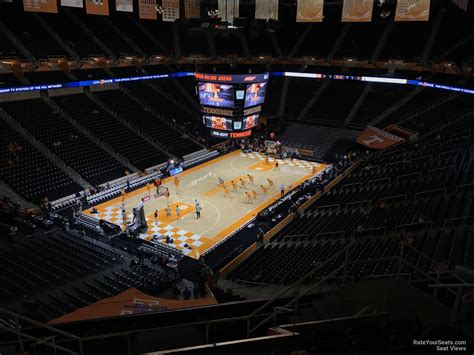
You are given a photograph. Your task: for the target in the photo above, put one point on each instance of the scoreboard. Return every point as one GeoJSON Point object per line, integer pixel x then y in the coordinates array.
{"type": "Point", "coordinates": [231, 104]}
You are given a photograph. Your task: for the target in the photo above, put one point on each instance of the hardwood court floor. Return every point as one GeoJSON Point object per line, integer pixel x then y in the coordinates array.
{"type": "Point", "coordinates": [221, 214]}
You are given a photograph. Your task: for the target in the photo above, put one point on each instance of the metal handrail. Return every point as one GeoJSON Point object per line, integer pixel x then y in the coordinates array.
{"type": "Point", "coordinates": [456, 218]}
{"type": "Point", "coordinates": [295, 300]}
{"type": "Point", "coordinates": [430, 172]}
{"type": "Point", "coordinates": [327, 206]}
{"type": "Point", "coordinates": [255, 283]}
{"type": "Point", "coordinates": [423, 255]}
{"type": "Point", "coordinates": [379, 180]}
{"type": "Point", "coordinates": [44, 341]}
{"type": "Point", "coordinates": [410, 174]}
{"type": "Point", "coordinates": [301, 280]}
{"type": "Point", "coordinates": [392, 197]}
{"type": "Point", "coordinates": [423, 157]}
{"type": "Point", "coordinates": [433, 190]}
{"type": "Point", "coordinates": [295, 235]}
{"type": "Point", "coordinates": [22, 336]}
{"type": "Point", "coordinates": [358, 202]}
{"type": "Point", "coordinates": [462, 186]}
{"type": "Point", "coordinates": [430, 223]}
{"type": "Point", "coordinates": [343, 232]}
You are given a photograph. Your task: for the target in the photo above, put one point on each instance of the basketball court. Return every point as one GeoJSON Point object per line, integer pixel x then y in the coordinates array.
{"type": "Point", "coordinates": [222, 213]}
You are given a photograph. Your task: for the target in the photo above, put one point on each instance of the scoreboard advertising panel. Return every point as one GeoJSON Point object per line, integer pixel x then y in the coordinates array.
{"type": "Point", "coordinates": [231, 103]}
{"type": "Point", "coordinates": [218, 95]}
{"type": "Point", "coordinates": [230, 123]}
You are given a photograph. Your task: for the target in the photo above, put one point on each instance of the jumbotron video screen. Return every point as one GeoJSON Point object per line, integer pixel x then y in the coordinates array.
{"type": "Point", "coordinates": [230, 103]}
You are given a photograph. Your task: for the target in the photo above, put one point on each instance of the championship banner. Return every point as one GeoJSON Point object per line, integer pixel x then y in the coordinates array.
{"type": "Point", "coordinates": [228, 9]}
{"type": "Point", "coordinates": [357, 11]}
{"type": "Point", "coordinates": [170, 10]}
{"type": "Point", "coordinates": [72, 3]}
{"type": "Point", "coordinates": [97, 7]}
{"type": "Point", "coordinates": [192, 8]}
{"type": "Point", "coordinates": [147, 9]}
{"type": "Point", "coordinates": [41, 6]}
{"type": "Point", "coordinates": [412, 10]}
{"type": "Point", "coordinates": [266, 9]}
{"type": "Point", "coordinates": [309, 11]}
{"type": "Point", "coordinates": [375, 138]}
{"type": "Point", "coordinates": [124, 5]}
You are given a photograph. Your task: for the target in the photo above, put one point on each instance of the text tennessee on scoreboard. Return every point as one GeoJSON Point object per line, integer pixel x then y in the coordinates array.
{"type": "Point", "coordinates": [231, 104]}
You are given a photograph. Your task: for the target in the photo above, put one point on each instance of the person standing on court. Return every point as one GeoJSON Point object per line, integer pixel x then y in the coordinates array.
{"type": "Point", "coordinates": [198, 211]}
{"type": "Point", "coordinates": [178, 212]}
{"type": "Point", "coordinates": [156, 217]}
{"type": "Point", "coordinates": [168, 211]}
{"type": "Point", "coordinates": [282, 190]}
{"type": "Point", "coordinates": [198, 208]}
{"type": "Point", "coordinates": [270, 183]}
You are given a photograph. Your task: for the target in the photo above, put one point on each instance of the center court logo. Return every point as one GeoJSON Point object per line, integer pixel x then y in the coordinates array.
{"type": "Point", "coordinates": [198, 180]}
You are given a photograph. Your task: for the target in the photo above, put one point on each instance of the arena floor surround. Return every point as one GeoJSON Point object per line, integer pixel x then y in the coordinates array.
{"type": "Point", "coordinates": [222, 212]}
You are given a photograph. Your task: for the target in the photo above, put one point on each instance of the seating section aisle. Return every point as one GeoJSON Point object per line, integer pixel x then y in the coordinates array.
{"type": "Point", "coordinates": [58, 273]}
{"type": "Point", "coordinates": [31, 34]}
{"type": "Point", "coordinates": [170, 111]}
{"type": "Point", "coordinates": [379, 99]}
{"type": "Point", "coordinates": [145, 121]}
{"type": "Point", "coordinates": [325, 142]}
{"type": "Point", "coordinates": [29, 173]}
{"type": "Point", "coordinates": [324, 108]}
{"type": "Point", "coordinates": [75, 149]}
{"type": "Point", "coordinates": [124, 141]}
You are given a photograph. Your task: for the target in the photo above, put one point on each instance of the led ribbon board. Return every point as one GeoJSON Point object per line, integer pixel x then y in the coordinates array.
{"type": "Point", "coordinates": [85, 83]}
{"type": "Point", "coordinates": [255, 78]}
{"type": "Point", "coordinates": [373, 79]}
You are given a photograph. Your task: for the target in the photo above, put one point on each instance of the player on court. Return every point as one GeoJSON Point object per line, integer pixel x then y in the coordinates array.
{"type": "Point", "coordinates": [234, 185]}
{"type": "Point", "coordinates": [156, 217]}
{"type": "Point", "coordinates": [249, 196]}
{"type": "Point", "coordinates": [282, 190]}
{"type": "Point", "coordinates": [267, 160]}
{"type": "Point", "coordinates": [168, 211]}
{"type": "Point", "coordinates": [176, 183]}
{"type": "Point", "coordinates": [178, 212]}
{"type": "Point", "coordinates": [198, 210]}
{"type": "Point", "coordinates": [277, 167]}
{"type": "Point", "coordinates": [254, 194]}
{"type": "Point", "coordinates": [264, 189]}
{"type": "Point", "coordinates": [314, 169]}
{"type": "Point", "coordinates": [226, 191]}
{"type": "Point", "coordinates": [250, 178]}
{"type": "Point", "coordinates": [123, 196]}
{"type": "Point", "coordinates": [221, 181]}
{"type": "Point", "coordinates": [243, 183]}
{"type": "Point", "coordinates": [270, 183]}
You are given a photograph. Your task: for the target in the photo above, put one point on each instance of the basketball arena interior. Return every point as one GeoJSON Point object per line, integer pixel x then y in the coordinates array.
{"type": "Point", "coordinates": [284, 177]}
